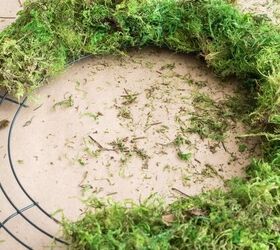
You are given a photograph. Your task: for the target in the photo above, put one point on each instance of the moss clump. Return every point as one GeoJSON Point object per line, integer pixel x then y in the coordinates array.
{"type": "Point", "coordinates": [212, 119]}
{"type": "Point", "coordinates": [50, 33]}
{"type": "Point", "coordinates": [246, 217]}
{"type": "Point", "coordinates": [38, 44]}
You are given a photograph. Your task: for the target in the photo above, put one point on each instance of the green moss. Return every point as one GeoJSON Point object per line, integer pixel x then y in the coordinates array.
{"type": "Point", "coordinates": [184, 156]}
{"type": "Point", "coordinates": [212, 119]}
{"type": "Point", "coordinates": [50, 33]}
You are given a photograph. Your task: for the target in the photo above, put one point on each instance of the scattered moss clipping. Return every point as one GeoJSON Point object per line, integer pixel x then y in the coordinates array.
{"type": "Point", "coordinates": [49, 34]}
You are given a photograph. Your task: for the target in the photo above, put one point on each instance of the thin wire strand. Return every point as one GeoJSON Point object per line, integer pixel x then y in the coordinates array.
{"type": "Point", "coordinates": [16, 213]}
{"type": "Point", "coordinates": [20, 185]}
{"type": "Point", "coordinates": [34, 204]}
{"type": "Point", "coordinates": [15, 237]}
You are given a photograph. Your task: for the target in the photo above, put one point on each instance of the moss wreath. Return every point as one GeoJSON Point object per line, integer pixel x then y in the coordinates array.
{"type": "Point", "coordinates": [49, 33]}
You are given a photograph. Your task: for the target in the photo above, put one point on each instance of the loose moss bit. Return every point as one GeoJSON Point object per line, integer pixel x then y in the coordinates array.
{"type": "Point", "coordinates": [81, 161]}
{"type": "Point", "coordinates": [210, 171]}
{"type": "Point", "coordinates": [184, 156]}
{"type": "Point", "coordinates": [207, 127]}
{"type": "Point", "coordinates": [208, 120]}
{"type": "Point", "coordinates": [169, 66]}
{"type": "Point", "coordinates": [141, 153]}
{"type": "Point", "coordinates": [94, 116]}
{"type": "Point", "coordinates": [181, 140]}
{"type": "Point", "coordinates": [242, 148]}
{"type": "Point", "coordinates": [120, 144]}
{"type": "Point", "coordinates": [4, 124]}
{"type": "Point", "coordinates": [66, 103]}
{"type": "Point", "coordinates": [213, 119]}
{"type": "Point", "coordinates": [239, 107]}
{"type": "Point", "coordinates": [186, 180]}
{"type": "Point", "coordinates": [124, 113]}
{"type": "Point", "coordinates": [129, 98]}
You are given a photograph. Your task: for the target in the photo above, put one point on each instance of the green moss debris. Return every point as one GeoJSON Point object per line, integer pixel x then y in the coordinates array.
{"type": "Point", "coordinates": [49, 34]}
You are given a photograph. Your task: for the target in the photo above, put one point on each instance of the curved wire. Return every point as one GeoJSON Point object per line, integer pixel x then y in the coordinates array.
{"type": "Point", "coordinates": [3, 97]}
{"type": "Point", "coordinates": [20, 211]}
{"type": "Point", "coordinates": [2, 225]}
{"type": "Point", "coordinates": [22, 104]}
{"type": "Point", "coordinates": [12, 165]}
{"type": "Point", "coordinates": [15, 214]}
{"type": "Point", "coordinates": [15, 237]}
{"type": "Point", "coordinates": [21, 186]}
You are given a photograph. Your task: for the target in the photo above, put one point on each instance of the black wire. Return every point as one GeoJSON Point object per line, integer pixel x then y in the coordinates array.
{"type": "Point", "coordinates": [28, 220]}
{"type": "Point", "coordinates": [22, 188]}
{"type": "Point", "coordinates": [12, 165]}
{"type": "Point", "coordinates": [15, 237]}
{"type": "Point", "coordinates": [5, 97]}
{"type": "Point", "coordinates": [20, 211]}
{"type": "Point", "coordinates": [16, 213]}
{"type": "Point", "coordinates": [2, 225]}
